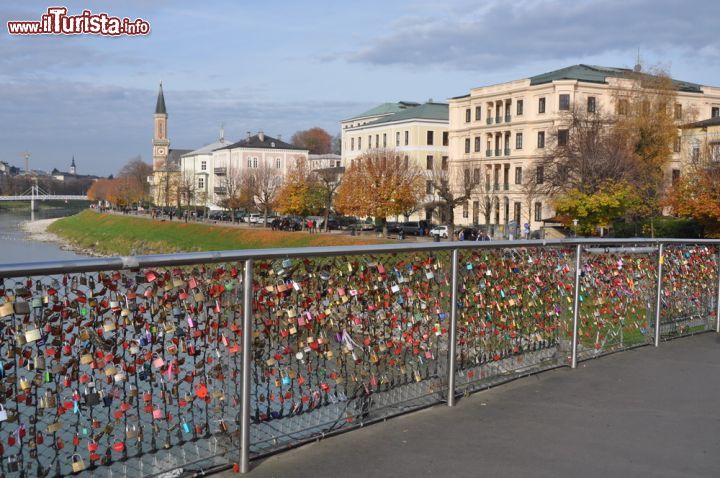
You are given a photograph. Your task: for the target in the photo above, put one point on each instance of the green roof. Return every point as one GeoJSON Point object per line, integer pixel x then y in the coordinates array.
{"type": "Point", "coordinates": [599, 74]}
{"type": "Point", "coordinates": [387, 108]}
{"type": "Point", "coordinates": [428, 111]}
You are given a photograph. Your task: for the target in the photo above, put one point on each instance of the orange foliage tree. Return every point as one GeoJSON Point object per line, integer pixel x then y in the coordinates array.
{"type": "Point", "coordinates": [104, 190]}
{"type": "Point", "coordinates": [300, 192]}
{"type": "Point", "coordinates": [316, 140]}
{"type": "Point", "coordinates": [380, 184]}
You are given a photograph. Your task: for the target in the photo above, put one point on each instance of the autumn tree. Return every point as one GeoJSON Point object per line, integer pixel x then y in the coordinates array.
{"type": "Point", "coordinates": [379, 184]}
{"type": "Point", "coordinates": [233, 190]}
{"type": "Point", "coordinates": [136, 172]}
{"type": "Point", "coordinates": [584, 153]}
{"type": "Point", "coordinates": [315, 140]}
{"type": "Point", "coordinates": [598, 156]}
{"type": "Point", "coordinates": [452, 185]}
{"type": "Point", "coordinates": [299, 193]}
{"type": "Point", "coordinates": [187, 187]}
{"type": "Point", "coordinates": [648, 115]}
{"type": "Point", "coordinates": [597, 209]}
{"type": "Point", "coordinates": [264, 183]}
{"type": "Point", "coordinates": [105, 190]}
{"type": "Point", "coordinates": [696, 194]}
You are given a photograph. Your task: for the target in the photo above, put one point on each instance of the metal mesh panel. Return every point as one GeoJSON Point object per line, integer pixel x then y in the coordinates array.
{"type": "Point", "coordinates": [689, 290]}
{"type": "Point", "coordinates": [140, 372]}
{"type": "Point", "coordinates": [130, 373]}
{"type": "Point", "coordinates": [345, 340]}
{"type": "Point", "coordinates": [514, 310]}
{"type": "Point", "coordinates": [617, 299]}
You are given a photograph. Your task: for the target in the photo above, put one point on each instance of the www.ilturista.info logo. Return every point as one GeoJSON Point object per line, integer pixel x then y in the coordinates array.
{"type": "Point", "coordinates": [57, 22]}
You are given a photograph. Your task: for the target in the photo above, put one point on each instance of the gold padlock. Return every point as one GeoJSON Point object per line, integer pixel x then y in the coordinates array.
{"type": "Point", "coordinates": [78, 464]}
{"type": "Point", "coordinates": [54, 427]}
{"type": "Point", "coordinates": [39, 362]}
{"type": "Point", "coordinates": [109, 325]}
{"type": "Point", "coordinates": [6, 310]}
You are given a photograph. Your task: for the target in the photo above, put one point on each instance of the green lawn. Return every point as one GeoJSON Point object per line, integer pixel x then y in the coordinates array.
{"type": "Point", "coordinates": [126, 235]}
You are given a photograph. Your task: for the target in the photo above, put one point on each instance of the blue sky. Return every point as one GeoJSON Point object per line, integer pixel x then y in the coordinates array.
{"type": "Point", "coordinates": [281, 66]}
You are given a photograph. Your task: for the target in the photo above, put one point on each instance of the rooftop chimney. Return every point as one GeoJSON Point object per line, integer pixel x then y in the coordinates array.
{"type": "Point", "coordinates": [261, 136]}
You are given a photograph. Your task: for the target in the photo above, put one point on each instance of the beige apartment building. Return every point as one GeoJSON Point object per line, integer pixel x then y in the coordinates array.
{"type": "Point", "coordinates": [416, 132]}
{"type": "Point", "coordinates": [503, 129]}
{"type": "Point", "coordinates": [700, 143]}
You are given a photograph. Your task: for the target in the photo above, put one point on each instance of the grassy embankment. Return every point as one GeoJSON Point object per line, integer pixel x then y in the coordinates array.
{"type": "Point", "coordinates": [124, 235]}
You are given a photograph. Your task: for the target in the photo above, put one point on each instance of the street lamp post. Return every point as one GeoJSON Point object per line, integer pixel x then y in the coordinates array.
{"type": "Point", "coordinates": [575, 223]}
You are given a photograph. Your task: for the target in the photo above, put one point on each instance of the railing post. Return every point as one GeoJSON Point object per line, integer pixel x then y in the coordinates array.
{"type": "Point", "coordinates": [717, 296]}
{"type": "Point", "coordinates": [658, 294]}
{"type": "Point", "coordinates": [246, 366]}
{"type": "Point", "coordinates": [576, 306]}
{"type": "Point", "coordinates": [453, 331]}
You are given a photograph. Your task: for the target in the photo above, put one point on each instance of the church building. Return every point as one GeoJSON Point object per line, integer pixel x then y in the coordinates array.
{"type": "Point", "coordinates": [165, 181]}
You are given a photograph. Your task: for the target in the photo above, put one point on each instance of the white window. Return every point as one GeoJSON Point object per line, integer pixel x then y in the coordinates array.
{"type": "Point", "coordinates": [203, 165]}
{"type": "Point", "coordinates": [277, 163]}
{"type": "Point", "coordinates": [201, 182]}
{"type": "Point", "coordinates": [255, 162]}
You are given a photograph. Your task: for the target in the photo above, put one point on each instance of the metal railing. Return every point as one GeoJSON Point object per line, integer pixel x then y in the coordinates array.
{"type": "Point", "coordinates": [199, 361]}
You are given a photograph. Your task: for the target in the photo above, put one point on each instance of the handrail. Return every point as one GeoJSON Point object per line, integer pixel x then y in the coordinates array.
{"type": "Point", "coordinates": [189, 258]}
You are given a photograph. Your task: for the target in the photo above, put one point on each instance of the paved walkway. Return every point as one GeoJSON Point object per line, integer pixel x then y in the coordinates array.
{"type": "Point", "coordinates": [646, 413]}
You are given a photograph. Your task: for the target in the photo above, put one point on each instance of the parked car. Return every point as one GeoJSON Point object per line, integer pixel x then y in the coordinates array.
{"type": "Point", "coordinates": [441, 231]}
{"type": "Point", "coordinates": [414, 228]}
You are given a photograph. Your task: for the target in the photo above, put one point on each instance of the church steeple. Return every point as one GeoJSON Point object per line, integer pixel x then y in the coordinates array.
{"type": "Point", "coordinates": [160, 105]}
{"type": "Point", "coordinates": [160, 141]}
{"type": "Point", "coordinates": [72, 166]}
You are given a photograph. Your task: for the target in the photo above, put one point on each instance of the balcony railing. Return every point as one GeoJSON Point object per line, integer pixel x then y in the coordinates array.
{"type": "Point", "coordinates": [220, 171]}
{"type": "Point", "coordinates": [220, 190]}
{"type": "Point", "coordinates": [506, 186]}
{"type": "Point", "coordinates": [498, 152]}
{"type": "Point", "coordinates": [507, 118]}
{"type": "Point", "coordinates": [507, 151]}
{"type": "Point", "coordinates": [488, 152]}
{"type": "Point", "coordinates": [196, 361]}
{"type": "Point", "coordinates": [498, 119]}
{"type": "Point", "coordinates": [489, 120]}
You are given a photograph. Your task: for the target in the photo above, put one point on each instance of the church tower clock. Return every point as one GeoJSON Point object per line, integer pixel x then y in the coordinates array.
{"type": "Point", "coordinates": [160, 142]}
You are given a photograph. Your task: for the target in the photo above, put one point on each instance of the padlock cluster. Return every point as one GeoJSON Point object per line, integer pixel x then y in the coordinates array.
{"type": "Point", "coordinates": [689, 284]}
{"type": "Point", "coordinates": [328, 331]}
{"type": "Point", "coordinates": [102, 367]}
{"type": "Point", "coordinates": [106, 367]}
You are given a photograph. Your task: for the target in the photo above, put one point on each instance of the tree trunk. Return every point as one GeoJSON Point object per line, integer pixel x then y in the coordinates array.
{"type": "Point", "coordinates": [327, 215]}
{"type": "Point", "coordinates": [450, 214]}
{"type": "Point", "coordinates": [265, 216]}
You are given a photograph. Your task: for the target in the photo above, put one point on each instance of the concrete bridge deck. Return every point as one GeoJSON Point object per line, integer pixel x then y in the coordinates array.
{"type": "Point", "coordinates": [646, 412]}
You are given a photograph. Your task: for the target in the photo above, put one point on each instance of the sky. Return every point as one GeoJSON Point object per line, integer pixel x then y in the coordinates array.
{"type": "Point", "coordinates": [281, 66]}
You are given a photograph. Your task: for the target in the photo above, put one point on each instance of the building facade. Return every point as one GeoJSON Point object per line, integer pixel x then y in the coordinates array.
{"type": "Point", "coordinates": [219, 168]}
{"type": "Point", "coordinates": [416, 132]}
{"type": "Point", "coordinates": [503, 131]}
{"type": "Point", "coordinates": [700, 143]}
{"type": "Point", "coordinates": [325, 161]}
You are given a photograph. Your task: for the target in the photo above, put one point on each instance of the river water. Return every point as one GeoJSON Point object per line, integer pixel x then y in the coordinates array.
{"type": "Point", "coordinates": [15, 245]}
